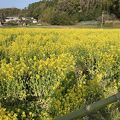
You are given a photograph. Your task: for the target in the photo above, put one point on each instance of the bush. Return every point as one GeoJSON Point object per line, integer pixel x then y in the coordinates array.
{"type": "Point", "coordinates": [62, 18]}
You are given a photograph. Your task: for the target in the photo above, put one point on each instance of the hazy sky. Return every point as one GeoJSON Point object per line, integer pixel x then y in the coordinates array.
{"type": "Point", "coordinates": [15, 3]}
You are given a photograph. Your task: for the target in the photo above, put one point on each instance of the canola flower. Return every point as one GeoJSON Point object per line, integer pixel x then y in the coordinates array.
{"type": "Point", "coordinates": [64, 68]}
{"type": "Point", "coordinates": [4, 115]}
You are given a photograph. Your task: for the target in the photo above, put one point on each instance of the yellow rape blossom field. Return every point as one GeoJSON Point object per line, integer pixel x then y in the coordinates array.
{"type": "Point", "coordinates": [46, 73]}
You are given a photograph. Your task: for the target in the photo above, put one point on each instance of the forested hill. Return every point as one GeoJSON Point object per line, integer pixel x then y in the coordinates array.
{"type": "Point", "coordinates": [67, 11]}
{"type": "Point", "coordinates": [10, 11]}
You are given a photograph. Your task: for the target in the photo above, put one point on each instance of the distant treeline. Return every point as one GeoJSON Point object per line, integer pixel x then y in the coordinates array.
{"type": "Point", "coordinates": [62, 12]}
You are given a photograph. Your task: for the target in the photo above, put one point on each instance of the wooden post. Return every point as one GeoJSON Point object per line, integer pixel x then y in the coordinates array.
{"type": "Point", "coordinates": [91, 108]}
{"type": "Point", "coordinates": [102, 19]}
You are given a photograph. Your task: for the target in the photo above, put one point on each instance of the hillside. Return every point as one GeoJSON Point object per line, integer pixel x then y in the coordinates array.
{"type": "Point", "coordinates": [65, 12]}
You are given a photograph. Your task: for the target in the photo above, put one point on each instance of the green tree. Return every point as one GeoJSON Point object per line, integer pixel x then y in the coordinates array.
{"type": "Point", "coordinates": [115, 7]}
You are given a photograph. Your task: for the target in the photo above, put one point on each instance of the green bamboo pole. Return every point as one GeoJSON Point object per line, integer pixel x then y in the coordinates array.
{"type": "Point", "coordinates": [91, 108]}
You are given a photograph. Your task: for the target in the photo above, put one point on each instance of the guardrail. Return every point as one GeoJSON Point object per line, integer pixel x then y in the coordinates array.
{"type": "Point", "coordinates": [90, 108]}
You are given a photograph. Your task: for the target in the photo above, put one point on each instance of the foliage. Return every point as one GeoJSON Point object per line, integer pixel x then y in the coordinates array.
{"type": "Point", "coordinates": [4, 115]}
{"type": "Point", "coordinates": [10, 11]}
{"type": "Point", "coordinates": [115, 7]}
{"type": "Point", "coordinates": [72, 11]}
{"type": "Point", "coordinates": [66, 12]}
{"type": "Point", "coordinates": [51, 72]}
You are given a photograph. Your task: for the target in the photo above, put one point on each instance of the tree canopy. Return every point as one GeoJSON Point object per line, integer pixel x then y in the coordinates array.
{"type": "Point", "coordinates": [66, 11]}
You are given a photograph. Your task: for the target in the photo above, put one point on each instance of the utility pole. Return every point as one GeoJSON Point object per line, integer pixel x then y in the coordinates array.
{"type": "Point", "coordinates": [102, 21]}
{"type": "Point", "coordinates": [102, 15]}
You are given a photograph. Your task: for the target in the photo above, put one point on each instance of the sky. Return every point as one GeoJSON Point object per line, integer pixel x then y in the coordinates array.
{"type": "Point", "coordinates": [15, 3]}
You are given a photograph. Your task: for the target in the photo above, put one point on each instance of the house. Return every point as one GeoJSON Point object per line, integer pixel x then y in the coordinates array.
{"type": "Point", "coordinates": [9, 19]}
{"type": "Point", "coordinates": [30, 19]}
{"type": "Point", "coordinates": [106, 18]}
{"type": "Point", "coordinates": [35, 21]}
{"type": "Point", "coordinates": [15, 20]}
